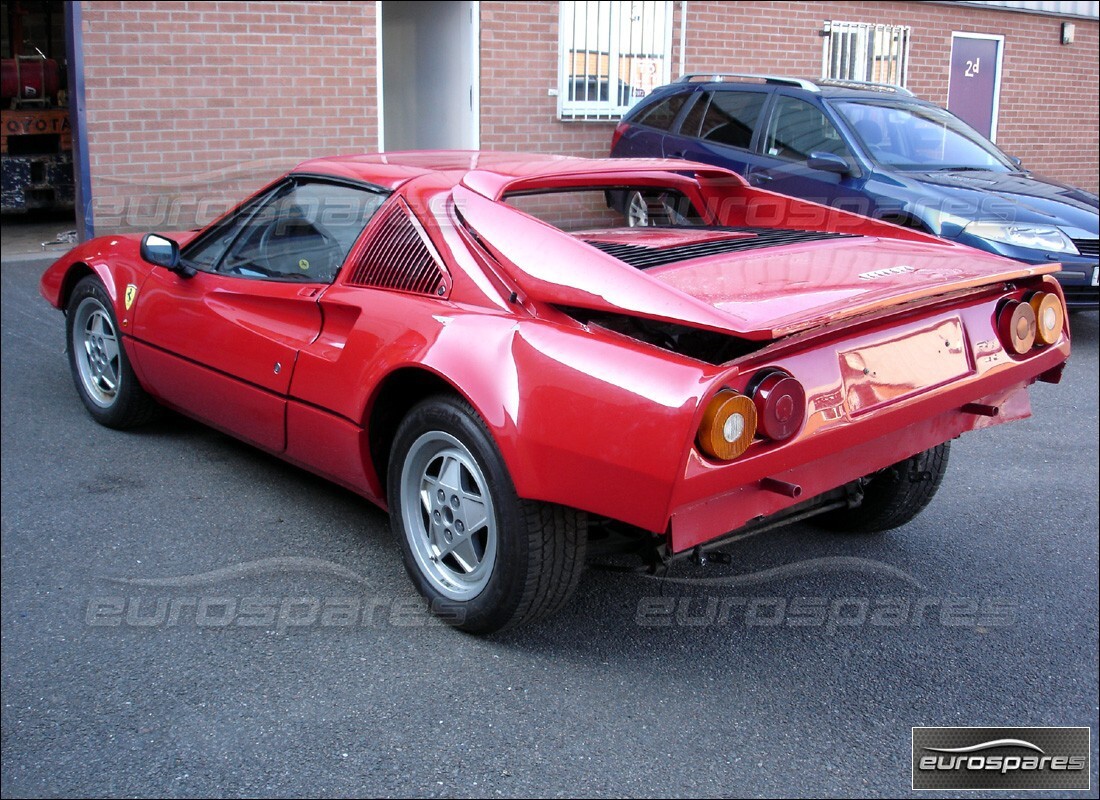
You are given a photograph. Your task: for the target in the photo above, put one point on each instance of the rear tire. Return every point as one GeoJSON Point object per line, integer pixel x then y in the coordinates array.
{"type": "Point", "coordinates": [893, 496]}
{"type": "Point", "coordinates": [484, 558]}
{"type": "Point", "coordinates": [101, 371]}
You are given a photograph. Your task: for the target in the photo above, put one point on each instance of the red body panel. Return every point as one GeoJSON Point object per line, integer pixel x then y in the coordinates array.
{"type": "Point", "coordinates": [223, 349]}
{"type": "Point", "coordinates": [814, 283]}
{"type": "Point", "coordinates": [843, 438]}
{"type": "Point", "coordinates": [584, 416]}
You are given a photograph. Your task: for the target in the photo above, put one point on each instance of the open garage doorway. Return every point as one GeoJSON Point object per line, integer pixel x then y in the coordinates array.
{"type": "Point", "coordinates": [36, 134]}
{"type": "Point", "coordinates": [429, 68]}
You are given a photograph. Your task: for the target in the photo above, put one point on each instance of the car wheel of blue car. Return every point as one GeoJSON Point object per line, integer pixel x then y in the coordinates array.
{"type": "Point", "coordinates": [637, 210]}
{"type": "Point", "coordinates": [484, 558]}
{"type": "Point", "coordinates": [101, 371]}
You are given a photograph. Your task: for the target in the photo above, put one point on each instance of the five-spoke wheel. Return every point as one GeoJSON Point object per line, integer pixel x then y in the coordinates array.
{"type": "Point", "coordinates": [637, 210]}
{"type": "Point", "coordinates": [101, 371]}
{"type": "Point", "coordinates": [483, 557]}
{"type": "Point", "coordinates": [449, 516]}
{"type": "Point", "coordinates": [96, 350]}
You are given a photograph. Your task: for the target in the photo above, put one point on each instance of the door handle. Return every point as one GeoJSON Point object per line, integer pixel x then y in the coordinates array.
{"type": "Point", "coordinates": [761, 177]}
{"type": "Point", "coordinates": [678, 154]}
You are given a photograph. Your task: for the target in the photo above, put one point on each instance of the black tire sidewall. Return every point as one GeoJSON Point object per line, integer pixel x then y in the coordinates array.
{"type": "Point", "coordinates": [496, 605]}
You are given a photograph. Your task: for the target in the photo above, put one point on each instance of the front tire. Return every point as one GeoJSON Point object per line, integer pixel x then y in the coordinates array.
{"type": "Point", "coordinates": [101, 371]}
{"type": "Point", "coordinates": [893, 496]}
{"type": "Point", "coordinates": [484, 558]}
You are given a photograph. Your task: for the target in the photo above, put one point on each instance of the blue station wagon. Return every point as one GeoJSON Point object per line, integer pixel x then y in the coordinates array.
{"type": "Point", "coordinates": [872, 149]}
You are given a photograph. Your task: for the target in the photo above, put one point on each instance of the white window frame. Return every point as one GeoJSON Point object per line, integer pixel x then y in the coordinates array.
{"type": "Point", "coordinates": [864, 35]}
{"type": "Point", "coordinates": [607, 43]}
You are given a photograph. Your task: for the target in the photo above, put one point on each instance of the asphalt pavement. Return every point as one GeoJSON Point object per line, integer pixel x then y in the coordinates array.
{"type": "Point", "coordinates": [185, 616]}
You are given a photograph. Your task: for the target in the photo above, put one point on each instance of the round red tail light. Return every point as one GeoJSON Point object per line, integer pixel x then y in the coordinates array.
{"type": "Point", "coordinates": [1016, 327]}
{"type": "Point", "coordinates": [780, 404]}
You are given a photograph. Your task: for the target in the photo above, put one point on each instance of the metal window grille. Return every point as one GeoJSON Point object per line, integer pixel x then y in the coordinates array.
{"type": "Point", "coordinates": [612, 55]}
{"type": "Point", "coordinates": [858, 51]}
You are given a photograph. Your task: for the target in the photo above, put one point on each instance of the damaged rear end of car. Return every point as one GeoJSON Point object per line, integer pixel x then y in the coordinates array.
{"type": "Point", "coordinates": [790, 361]}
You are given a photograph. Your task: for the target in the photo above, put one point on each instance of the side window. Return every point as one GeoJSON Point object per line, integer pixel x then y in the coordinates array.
{"type": "Point", "coordinates": [731, 118]}
{"type": "Point", "coordinates": [205, 252]}
{"type": "Point", "coordinates": [694, 118]}
{"type": "Point", "coordinates": [797, 129]}
{"type": "Point", "coordinates": [663, 113]}
{"type": "Point", "coordinates": [303, 232]}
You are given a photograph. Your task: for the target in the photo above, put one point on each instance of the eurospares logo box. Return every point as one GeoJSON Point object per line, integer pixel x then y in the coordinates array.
{"type": "Point", "coordinates": [1001, 758]}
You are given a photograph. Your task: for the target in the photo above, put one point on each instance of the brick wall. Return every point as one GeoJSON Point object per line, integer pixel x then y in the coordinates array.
{"type": "Point", "coordinates": [1049, 96]}
{"type": "Point", "coordinates": [192, 104]}
{"type": "Point", "coordinates": [519, 65]}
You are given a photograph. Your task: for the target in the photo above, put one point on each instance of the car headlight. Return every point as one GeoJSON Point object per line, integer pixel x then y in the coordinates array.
{"type": "Point", "coordinates": [1033, 237]}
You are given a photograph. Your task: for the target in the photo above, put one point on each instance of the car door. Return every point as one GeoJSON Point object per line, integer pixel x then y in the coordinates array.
{"type": "Point", "coordinates": [721, 128]}
{"type": "Point", "coordinates": [221, 345]}
{"type": "Point", "coordinates": [794, 130]}
{"type": "Point", "coordinates": [643, 135]}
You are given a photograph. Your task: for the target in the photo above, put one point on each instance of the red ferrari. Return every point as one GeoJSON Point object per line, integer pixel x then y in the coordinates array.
{"type": "Point", "coordinates": [481, 345]}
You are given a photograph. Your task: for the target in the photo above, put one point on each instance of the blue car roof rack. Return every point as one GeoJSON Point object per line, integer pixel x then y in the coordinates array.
{"type": "Point", "coordinates": [873, 85]}
{"type": "Point", "coordinates": [720, 77]}
{"type": "Point", "coordinates": [802, 83]}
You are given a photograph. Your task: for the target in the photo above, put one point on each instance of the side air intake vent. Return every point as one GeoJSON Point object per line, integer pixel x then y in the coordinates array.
{"type": "Point", "coordinates": [398, 257]}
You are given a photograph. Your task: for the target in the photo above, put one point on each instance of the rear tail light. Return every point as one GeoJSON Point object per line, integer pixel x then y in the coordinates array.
{"type": "Point", "coordinates": [1050, 318]}
{"type": "Point", "coordinates": [728, 426]}
{"type": "Point", "coordinates": [780, 404]}
{"type": "Point", "coordinates": [1016, 326]}
{"type": "Point", "coordinates": [620, 129]}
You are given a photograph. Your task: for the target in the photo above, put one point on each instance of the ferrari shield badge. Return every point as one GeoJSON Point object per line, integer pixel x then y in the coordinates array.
{"type": "Point", "coordinates": [131, 293]}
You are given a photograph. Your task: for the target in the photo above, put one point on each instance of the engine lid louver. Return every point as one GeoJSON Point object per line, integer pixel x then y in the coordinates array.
{"type": "Point", "coordinates": [399, 256]}
{"type": "Point", "coordinates": [643, 257]}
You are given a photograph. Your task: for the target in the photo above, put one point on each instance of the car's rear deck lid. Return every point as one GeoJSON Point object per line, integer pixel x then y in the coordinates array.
{"type": "Point", "coordinates": [755, 284]}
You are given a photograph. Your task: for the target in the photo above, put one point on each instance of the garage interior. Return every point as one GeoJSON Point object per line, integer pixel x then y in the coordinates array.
{"type": "Point", "coordinates": [35, 132]}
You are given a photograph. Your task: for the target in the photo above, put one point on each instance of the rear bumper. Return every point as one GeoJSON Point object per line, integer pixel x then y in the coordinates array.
{"type": "Point", "coordinates": [840, 444]}
{"type": "Point", "coordinates": [711, 518]}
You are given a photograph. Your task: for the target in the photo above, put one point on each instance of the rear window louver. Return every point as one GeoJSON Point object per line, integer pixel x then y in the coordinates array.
{"type": "Point", "coordinates": [398, 257]}
{"type": "Point", "coordinates": [644, 257]}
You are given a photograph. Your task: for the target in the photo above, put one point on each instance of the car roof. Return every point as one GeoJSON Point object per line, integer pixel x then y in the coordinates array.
{"type": "Point", "coordinates": [820, 87]}
{"type": "Point", "coordinates": [487, 172]}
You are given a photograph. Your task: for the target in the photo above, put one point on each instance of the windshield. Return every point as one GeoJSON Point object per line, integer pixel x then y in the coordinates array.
{"type": "Point", "coordinates": [920, 137]}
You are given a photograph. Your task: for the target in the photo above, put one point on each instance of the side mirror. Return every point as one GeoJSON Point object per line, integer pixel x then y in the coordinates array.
{"type": "Point", "coordinates": [828, 162]}
{"type": "Point", "coordinates": [163, 252]}
{"type": "Point", "coordinates": [1015, 161]}
{"type": "Point", "coordinates": [160, 251]}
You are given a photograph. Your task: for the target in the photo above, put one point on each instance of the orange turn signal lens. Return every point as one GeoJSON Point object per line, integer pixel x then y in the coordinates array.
{"type": "Point", "coordinates": [1050, 318]}
{"type": "Point", "coordinates": [1016, 326]}
{"type": "Point", "coordinates": [728, 426]}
